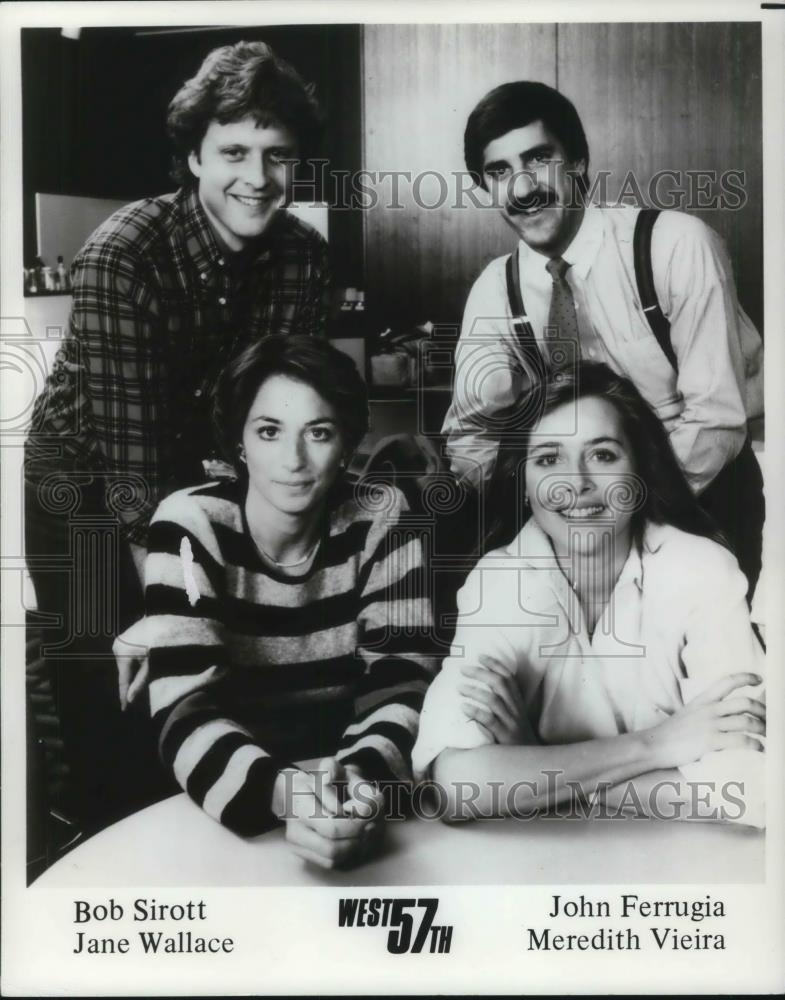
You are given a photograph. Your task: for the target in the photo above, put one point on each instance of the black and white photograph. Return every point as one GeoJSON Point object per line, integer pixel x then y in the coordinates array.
{"type": "Point", "coordinates": [392, 507]}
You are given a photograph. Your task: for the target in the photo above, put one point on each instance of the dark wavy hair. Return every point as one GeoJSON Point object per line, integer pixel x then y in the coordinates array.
{"type": "Point", "coordinates": [311, 360]}
{"type": "Point", "coordinates": [246, 80]}
{"type": "Point", "coordinates": [513, 105]}
{"type": "Point", "coordinates": [667, 497]}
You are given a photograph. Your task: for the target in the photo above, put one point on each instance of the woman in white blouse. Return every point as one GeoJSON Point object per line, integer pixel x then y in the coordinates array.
{"type": "Point", "coordinates": [607, 650]}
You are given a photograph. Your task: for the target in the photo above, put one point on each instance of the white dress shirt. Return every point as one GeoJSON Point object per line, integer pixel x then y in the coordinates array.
{"type": "Point", "coordinates": [719, 352]}
{"type": "Point", "coordinates": [677, 621]}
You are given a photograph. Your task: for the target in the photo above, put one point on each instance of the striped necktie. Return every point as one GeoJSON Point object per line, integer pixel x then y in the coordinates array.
{"type": "Point", "coordinates": [562, 318]}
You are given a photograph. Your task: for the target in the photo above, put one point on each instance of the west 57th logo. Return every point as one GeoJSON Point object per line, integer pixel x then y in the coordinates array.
{"type": "Point", "coordinates": [395, 914]}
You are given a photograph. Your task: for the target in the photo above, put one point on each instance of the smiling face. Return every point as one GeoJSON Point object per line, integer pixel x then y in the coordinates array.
{"type": "Point", "coordinates": [527, 173]}
{"type": "Point", "coordinates": [292, 446]}
{"type": "Point", "coordinates": [579, 468]}
{"type": "Point", "coordinates": [244, 173]}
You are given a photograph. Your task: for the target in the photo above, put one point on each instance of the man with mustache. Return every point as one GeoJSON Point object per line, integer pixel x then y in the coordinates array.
{"type": "Point", "coordinates": [570, 291]}
{"type": "Point", "coordinates": [164, 293]}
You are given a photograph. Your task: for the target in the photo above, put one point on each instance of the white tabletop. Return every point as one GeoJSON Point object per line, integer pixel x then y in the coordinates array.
{"type": "Point", "coordinates": [174, 843]}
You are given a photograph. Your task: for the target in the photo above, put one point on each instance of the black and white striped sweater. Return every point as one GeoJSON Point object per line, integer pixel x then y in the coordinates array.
{"type": "Point", "coordinates": [251, 669]}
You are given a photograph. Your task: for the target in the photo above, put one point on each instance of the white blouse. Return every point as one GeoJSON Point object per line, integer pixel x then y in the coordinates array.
{"type": "Point", "coordinates": [677, 621]}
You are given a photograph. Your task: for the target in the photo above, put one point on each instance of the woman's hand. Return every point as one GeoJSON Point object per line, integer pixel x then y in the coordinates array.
{"type": "Point", "coordinates": [334, 818]}
{"type": "Point", "coordinates": [130, 653]}
{"type": "Point", "coordinates": [712, 721]}
{"type": "Point", "coordinates": [501, 710]}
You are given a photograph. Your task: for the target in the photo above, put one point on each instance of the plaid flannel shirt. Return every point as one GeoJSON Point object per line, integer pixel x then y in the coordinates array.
{"type": "Point", "coordinates": [158, 309]}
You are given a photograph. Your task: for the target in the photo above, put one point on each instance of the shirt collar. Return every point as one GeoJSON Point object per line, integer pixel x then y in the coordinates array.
{"type": "Point", "coordinates": [200, 241]}
{"type": "Point", "coordinates": [201, 244]}
{"type": "Point", "coordinates": [581, 253]}
{"type": "Point", "coordinates": [632, 570]}
{"type": "Point", "coordinates": [533, 547]}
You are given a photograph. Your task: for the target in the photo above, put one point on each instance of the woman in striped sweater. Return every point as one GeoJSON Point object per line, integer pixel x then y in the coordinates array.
{"type": "Point", "coordinates": [286, 613]}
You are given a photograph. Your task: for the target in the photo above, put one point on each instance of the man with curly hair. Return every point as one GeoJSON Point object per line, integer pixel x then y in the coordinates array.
{"type": "Point", "coordinates": [164, 293]}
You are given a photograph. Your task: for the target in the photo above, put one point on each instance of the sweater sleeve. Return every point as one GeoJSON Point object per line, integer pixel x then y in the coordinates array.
{"type": "Point", "coordinates": [213, 758]}
{"type": "Point", "coordinates": [396, 642]}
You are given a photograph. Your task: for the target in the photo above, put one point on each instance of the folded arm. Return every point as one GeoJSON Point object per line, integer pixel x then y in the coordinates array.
{"type": "Point", "coordinates": [478, 740]}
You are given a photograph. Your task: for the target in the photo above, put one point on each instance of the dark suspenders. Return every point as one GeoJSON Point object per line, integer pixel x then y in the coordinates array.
{"type": "Point", "coordinates": [644, 276]}
{"type": "Point", "coordinates": [532, 357]}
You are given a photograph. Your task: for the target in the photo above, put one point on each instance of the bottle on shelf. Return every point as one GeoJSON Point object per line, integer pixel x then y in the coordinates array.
{"type": "Point", "coordinates": [61, 275]}
{"type": "Point", "coordinates": [349, 298]}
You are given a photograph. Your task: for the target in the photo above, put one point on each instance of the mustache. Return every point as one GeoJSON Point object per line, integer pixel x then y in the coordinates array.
{"type": "Point", "coordinates": [539, 198]}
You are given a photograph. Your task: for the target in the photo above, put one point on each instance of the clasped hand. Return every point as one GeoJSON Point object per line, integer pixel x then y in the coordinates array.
{"type": "Point", "coordinates": [334, 817]}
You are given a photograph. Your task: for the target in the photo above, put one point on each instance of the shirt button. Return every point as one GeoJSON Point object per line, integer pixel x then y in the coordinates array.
{"type": "Point", "coordinates": [197, 393]}
{"type": "Point", "coordinates": [222, 301]}
{"type": "Point", "coordinates": [221, 262]}
{"type": "Point", "coordinates": [592, 353]}
{"type": "Point", "coordinates": [203, 275]}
